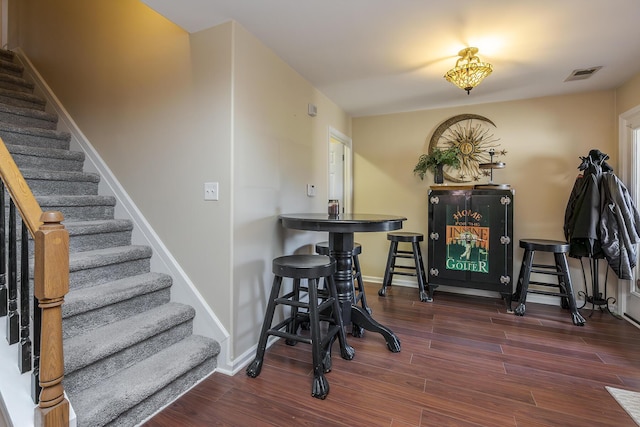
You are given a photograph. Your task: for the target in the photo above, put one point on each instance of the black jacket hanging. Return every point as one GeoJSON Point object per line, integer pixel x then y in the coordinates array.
{"type": "Point", "coordinates": [601, 220]}
{"type": "Point", "coordinates": [582, 217]}
{"type": "Point", "coordinates": [619, 226]}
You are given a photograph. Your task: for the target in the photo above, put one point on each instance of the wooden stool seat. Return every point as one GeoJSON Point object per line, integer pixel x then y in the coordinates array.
{"type": "Point", "coordinates": [405, 236]}
{"type": "Point", "coordinates": [544, 245]}
{"type": "Point", "coordinates": [416, 270]}
{"type": "Point", "coordinates": [560, 270]}
{"type": "Point", "coordinates": [303, 267]}
{"type": "Point", "coordinates": [320, 307]}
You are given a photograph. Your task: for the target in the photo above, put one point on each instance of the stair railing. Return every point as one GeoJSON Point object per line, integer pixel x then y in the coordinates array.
{"type": "Point", "coordinates": [44, 357]}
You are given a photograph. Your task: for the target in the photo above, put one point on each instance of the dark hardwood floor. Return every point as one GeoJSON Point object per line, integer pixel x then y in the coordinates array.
{"type": "Point", "coordinates": [464, 361]}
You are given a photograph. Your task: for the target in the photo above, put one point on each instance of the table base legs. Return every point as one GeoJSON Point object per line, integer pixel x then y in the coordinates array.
{"type": "Point", "coordinates": [341, 249]}
{"type": "Point", "coordinates": [361, 318]}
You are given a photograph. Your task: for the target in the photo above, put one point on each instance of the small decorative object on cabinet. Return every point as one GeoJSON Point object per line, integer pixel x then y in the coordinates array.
{"type": "Point", "coordinates": [470, 241]}
{"type": "Point", "coordinates": [491, 166]}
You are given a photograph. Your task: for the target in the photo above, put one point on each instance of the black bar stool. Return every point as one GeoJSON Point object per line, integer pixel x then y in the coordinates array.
{"type": "Point", "coordinates": [560, 270]}
{"type": "Point", "coordinates": [358, 285]}
{"type": "Point", "coordinates": [321, 306]}
{"type": "Point", "coordinates": [416, 270]}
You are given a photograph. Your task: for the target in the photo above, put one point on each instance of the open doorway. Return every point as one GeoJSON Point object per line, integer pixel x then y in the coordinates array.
{"type": "Point", "coordinates": [629, 155]}
{"type": "Point", "coordinates": [340, 170]}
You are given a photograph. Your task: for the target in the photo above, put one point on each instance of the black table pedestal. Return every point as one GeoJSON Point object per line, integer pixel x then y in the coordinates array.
{"type": "Point", "coordinates": [340, 248]}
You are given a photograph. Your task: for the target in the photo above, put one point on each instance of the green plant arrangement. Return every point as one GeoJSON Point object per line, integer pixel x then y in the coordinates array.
{"type": "Point", "coordinates": [435, 160]}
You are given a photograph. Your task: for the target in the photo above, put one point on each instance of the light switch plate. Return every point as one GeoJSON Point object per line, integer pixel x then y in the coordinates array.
{"type": "Point", "coordinates": [311, 190]}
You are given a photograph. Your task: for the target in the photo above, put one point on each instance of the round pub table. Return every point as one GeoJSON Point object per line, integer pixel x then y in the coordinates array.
{"type": "Point", "coordinates": [341, 229]}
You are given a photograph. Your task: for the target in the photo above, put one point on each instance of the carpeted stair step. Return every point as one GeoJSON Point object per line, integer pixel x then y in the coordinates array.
{"type": "Point", "coordinates": [6, 55]}
{"type": "Point", "coordinates": [99, 234]}
{"type": "Point", "coordinates": [92, 268]}
{"type": "Point", "coordinates": [8, 67]}
{"type": "Point", "coordinates": [89, 308]}
{"type": "Point", "coordinates": [28, 117]}
{"type": "Point", "coordinates": [92, 235]}
{"type": "Point", "coordinates": [34, 137]}
{"type": "Point", "coordinates": [135, 393]}
{"type": "Point", "coordinates": [50, 183]}
{"type": "Point", "coordinates": [76, 208]}
{"type": "Point", "coordinates": [22, 99]}
{"type": "Point", "coordinates": [92, 357]}
{"type": "Point", "coordinates": [46, 158]}
{"type": "Point", "coordinates": [15, 83]}
{"type": "Point", "coordinates": [129, 350]}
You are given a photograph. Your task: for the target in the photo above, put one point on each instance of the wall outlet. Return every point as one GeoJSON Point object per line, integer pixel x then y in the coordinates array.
{"type": "Point", "coordinates": [211, 191]}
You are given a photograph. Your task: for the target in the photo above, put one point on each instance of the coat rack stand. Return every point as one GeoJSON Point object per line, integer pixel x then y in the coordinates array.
{"type": "Point", "coordinates": [596, 298]}
{"type": "Point", "coordinates": [601, 222]}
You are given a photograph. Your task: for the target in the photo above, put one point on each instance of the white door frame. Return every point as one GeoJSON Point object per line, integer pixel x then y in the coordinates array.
{"type": "Point", "coordinates": [348, 166]}
{"type": "Point", "coordinates": [628, 152]}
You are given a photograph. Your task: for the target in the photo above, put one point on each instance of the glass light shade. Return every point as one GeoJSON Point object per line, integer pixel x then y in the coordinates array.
{"type": "Point", "coordinates": [469, 71]}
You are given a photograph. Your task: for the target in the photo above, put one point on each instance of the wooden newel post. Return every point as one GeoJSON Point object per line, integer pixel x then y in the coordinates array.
{"type": "Point", "coordinates": [51, 280]}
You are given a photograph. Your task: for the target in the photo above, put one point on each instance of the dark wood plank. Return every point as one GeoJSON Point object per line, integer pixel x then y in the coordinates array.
{"type": "Point", "coordinates": [465, 361]}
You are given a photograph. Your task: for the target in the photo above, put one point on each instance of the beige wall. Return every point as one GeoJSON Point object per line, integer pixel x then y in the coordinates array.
{"type": "Point", "coordinates": [543, 137]}
{"type": "Point", "coordinates": [277, 150]}
{"type": "Point", "coordinates": [628, 95]}
{"type": "Point", "coordinates": [208, 145]}
{"type": "Point", "coordinates": [168, 111]}
{"type": "Point", "coordinates": [155, 110]}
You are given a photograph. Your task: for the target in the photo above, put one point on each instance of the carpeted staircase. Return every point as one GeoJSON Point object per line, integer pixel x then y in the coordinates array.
{"type": "Point", "coordinates": [128, 349]}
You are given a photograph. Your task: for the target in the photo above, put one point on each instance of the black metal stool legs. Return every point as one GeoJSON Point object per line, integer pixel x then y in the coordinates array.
{"type": "Point", "coordinates": [295, 320]}
{"type": "Point", "coordinates": [322, 306]}
{"type": "Point", "coordinates": [346, 351]}
{"type": "Point", "coordinates": [568, 301]}
{"type": "Point", "coordinates": [523, 282]}
{"type": "Point", "coordinates": [560, 269]}
{"type": "Point", "coordinates": [320, 387]}
{"type": "Point", "coordinates": [388, 275]}
{"type": "Point", "coordinates": [421, 274]}
{"type": "Point", "coordinates": [417, 269]}
{"type": "Point", "coordinates": [253, 370]}
{"type": "Point", "coordinates": [358, 291]}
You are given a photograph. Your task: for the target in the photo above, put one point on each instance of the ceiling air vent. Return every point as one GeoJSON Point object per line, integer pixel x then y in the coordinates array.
{"type": "Point", "coordinates": [582, 74]}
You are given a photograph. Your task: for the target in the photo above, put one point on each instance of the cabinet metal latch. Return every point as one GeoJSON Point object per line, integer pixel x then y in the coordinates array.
{"type": "Point", "coordinates": [505, 200]}
{"type": "Point", "coordinates": [505, 240]}
{"type": "Point", "coordinates": [434, 236]}
{"type": "Point", "coordinates": [505, 280]}
{"type": "Point", "coordinates": [434, 200]}
{"type": "Point", "coordinates": [433, 272]}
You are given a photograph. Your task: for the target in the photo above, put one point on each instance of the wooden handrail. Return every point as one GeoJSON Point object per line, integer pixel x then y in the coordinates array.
{"type": "Point", "coordinates": [19, 190]}
{"type": "Point", "coordinates": [51, 284]}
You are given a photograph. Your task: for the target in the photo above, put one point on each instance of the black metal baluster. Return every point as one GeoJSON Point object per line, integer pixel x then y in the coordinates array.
{"type": "Point", "coordinates": [3, 256]}
{"type": "Point", "coordinates": [13, 321]}
{"type": "Point", "coordinates": [24, 361]}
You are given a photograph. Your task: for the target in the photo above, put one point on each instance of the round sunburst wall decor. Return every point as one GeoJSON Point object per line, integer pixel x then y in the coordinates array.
{"type": "Point", "coordinates": [473, 135]}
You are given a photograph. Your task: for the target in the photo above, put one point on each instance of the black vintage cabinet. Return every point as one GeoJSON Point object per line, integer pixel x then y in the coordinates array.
{"type": "Point", "coordinates": [470, 241]}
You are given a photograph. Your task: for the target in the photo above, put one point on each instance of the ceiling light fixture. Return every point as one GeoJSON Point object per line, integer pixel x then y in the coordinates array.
{"type": "Point", "coordinates": [469, 71]}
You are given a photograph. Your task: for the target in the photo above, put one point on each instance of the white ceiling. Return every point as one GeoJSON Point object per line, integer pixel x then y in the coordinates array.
{"type": "Point", "coordinates": [384, 56]}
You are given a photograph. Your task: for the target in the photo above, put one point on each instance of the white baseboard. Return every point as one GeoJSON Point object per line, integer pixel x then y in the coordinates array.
{"type": "Point", "coordinates": [535, 298]}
